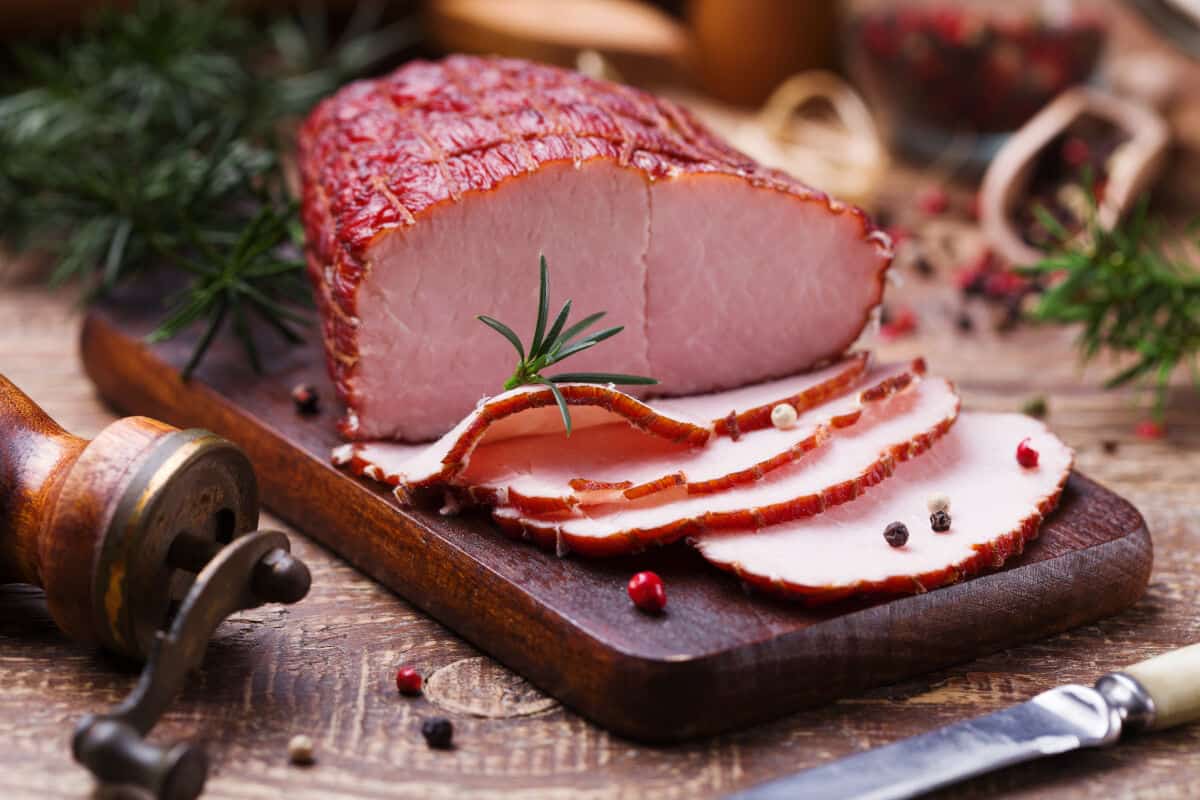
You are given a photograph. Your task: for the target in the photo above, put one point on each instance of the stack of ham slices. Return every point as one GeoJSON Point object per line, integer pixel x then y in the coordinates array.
{"type": "Point", "coordinates": [798, 510]}
{"type": "Point", "coordinates": [428, 195]}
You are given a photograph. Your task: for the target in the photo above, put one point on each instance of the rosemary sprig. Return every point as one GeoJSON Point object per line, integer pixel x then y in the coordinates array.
{"type": "Point", "coordinates": [153, 138]}
{"type": "Point", "coordinates": [1129, 292]}
{"type": "Point", "coordinates": [549, 347]}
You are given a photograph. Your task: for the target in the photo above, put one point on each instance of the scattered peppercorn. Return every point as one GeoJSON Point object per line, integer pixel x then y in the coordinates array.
{"type": "Point", "coordinates": [1110, 446]}
{"type": "Point", "coordinates": [938, 502]}
{"type": "Point", "coordinates": [305, 398]}
{"type": "Point", "coordinates": [438, 733]}
{"type": "Point", "coordinates": [300, 750]}
{"type": "Point", "coordinates": [923, 267]}
{"type": "Point", "coordinates": [964, 322]}
{"type": "Point", "coordinates": [896, 534]}
{"type": "Point", "coordinates": [783, 416]}
{"type": "Point", "coordinates": [939, 521]}
{"type": "Point", "coordinates": [647, 592]}
{"type": "Point", "coordinates": [1026, 456]}
{"type": "Point", "coordinates": [1149, 429]}
{"type": "Point", "coordinates": [1035, 407]}
{"type": "Point", "coordinates": [408, 681]}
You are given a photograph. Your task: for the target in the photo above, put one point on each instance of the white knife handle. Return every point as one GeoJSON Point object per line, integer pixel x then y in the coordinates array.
{"type": "Point", "coordinates": [1173, 682]}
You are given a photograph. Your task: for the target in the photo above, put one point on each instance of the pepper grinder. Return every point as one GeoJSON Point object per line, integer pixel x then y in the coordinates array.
{"type": "Point", "coordinates": [143, 539]}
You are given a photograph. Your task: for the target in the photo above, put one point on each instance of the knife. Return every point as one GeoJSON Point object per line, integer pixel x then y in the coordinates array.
{"type": "Point", "coordinates": [1150, 696]}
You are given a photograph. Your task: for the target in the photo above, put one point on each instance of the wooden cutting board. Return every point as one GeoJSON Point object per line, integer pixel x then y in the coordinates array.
{"type": "Point", "coordinates": [718, 659]}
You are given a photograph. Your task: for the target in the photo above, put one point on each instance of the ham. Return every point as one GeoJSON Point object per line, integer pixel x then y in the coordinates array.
{"type": "Point", "coordinates": [429, 193]}
{"type": "Point", "coordinates": [527, 413]}
{"type": "Point", "coordinates": [613, 464]}
{"type": "Point", "coordinates": [996, 507]}
{"type": "Point", "coordinates": [849, 463]}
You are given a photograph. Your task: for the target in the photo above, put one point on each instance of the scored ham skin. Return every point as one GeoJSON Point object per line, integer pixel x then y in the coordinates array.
{"type": "Point", "coordinates": [550, 474]}
{"type": "Point", "coordinates": [429, 193]}
{"type": "Point", "coordinates": [414, 468]}
{"type": "Point", "coordinates": [996, 507]}
{"type": "Point", "coordinates": [847, 465]}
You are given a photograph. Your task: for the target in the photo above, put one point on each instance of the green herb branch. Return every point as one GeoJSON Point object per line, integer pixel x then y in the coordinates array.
{"type": "Point", "coordinates": [153, 138]}
{"type": "Point", "coordinates": [1129, 292]}
{"type": "Point", "coordinates": [549, 347]}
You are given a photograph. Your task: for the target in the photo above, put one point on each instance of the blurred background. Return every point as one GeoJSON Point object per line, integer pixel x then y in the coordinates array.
{"type": "Point", "coordinates": [1005, 146]}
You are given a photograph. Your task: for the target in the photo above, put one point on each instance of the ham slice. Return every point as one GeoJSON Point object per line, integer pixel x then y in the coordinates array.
{"type": "Point", "coordinates": [429, 193]}
{"type": "Point", "coordinates": [617, 463]}
{"type": "Point", "coordinates": [852, 461]}
{"type": "Point", "coordinates": [520, 412]}
{"type": "Point", "coordinates": [996, 507]}
{"type": "Point", "coordinates": [530, 412]}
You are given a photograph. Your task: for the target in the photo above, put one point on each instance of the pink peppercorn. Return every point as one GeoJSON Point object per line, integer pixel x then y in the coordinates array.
{"type": "Point", "coordinates": [647, 592]}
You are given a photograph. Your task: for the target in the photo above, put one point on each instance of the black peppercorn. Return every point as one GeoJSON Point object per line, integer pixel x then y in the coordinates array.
{"type": "Point", "coordinates": [939, 521]}
{"type": "Point", "coordinates": [964, 322]}
{"type": "Point", "coordinates": [306, 399]}
{"type": "Point", "coordinates": [896, 534]}
{"type": "Point", "coordinates": [923, 267]}
{"type": "Point", "coordinates": [438, 732]}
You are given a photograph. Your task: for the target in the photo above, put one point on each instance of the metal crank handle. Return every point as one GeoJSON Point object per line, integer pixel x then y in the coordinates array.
{"type": "Point", "coordinates": [254, 569]}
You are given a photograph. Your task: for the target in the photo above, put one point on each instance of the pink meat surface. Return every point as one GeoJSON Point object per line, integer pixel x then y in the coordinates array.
{"type": "Point", "coordinates": [527, 411]}
{"type": "Point", "coordinates": [996, 506]}
{"type": "Point", "coordinates": [613, 464]}
{"type": "Point", "coordinates": [852, 461]}
{"type": "Point", "coordinates": [497, 425]}
{"type": "Point", "coordinates": [429, 193]}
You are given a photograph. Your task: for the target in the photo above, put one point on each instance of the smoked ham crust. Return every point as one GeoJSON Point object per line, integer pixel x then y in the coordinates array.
{"type": "Point", "coordinates": [429, 193]}
{"type": "Point", "coordinates": [852, 461]}
{"type": "Point", "coordinates": [997, 506]}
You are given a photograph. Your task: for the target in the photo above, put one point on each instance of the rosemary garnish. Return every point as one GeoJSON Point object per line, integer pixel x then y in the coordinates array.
{"type": "Point", "coordinates": [1130, 294]}
{"type": "Point", "coordinates": [153, 138]}
{"type": "Point", "coordinates": [550, 347]}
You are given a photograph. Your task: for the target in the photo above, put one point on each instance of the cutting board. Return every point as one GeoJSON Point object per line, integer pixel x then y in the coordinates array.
{"type": "Point", "coordinates": [718, 659]}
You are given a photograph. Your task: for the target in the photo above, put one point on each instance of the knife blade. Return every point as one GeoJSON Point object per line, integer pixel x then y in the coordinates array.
{"type": "Point", "coordinates": [1153, 695]}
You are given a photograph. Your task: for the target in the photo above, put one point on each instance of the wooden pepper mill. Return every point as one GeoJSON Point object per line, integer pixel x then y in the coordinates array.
{"type": "Point", "coordinates": [144, 540]}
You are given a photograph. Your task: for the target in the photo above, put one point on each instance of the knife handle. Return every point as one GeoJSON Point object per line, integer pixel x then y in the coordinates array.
{"type": "Point", "coordinates": [1157, 693]}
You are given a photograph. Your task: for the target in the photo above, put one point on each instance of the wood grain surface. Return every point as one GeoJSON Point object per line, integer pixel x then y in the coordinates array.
{"type": "Point", "coordinates": [325, 666]}
{"type": "Point", "coordinates": [565, 623]}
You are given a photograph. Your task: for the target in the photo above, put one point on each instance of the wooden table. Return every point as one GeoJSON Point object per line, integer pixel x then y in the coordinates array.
{"type": "Point", "coordinates": [325, 667]}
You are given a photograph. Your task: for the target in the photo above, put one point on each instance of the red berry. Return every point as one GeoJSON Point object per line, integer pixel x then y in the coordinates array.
{"type": "Point", "coordinates": [933, 200]}
{"type": "Point", "coordinates": [647, 592]}
{"type": "Point", "coordinates": [902, 324]}
{"type": "Point", "coordinates": [408, 681]}
{"type": "Point", "coordinates": [1026, 456]}
{"type": "Point", "coordinates": [1149, 429]}
{"type": "Point", "coordinates": [1075, 151]}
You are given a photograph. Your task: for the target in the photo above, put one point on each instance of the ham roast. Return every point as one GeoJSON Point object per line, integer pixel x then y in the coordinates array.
{"type": "Point", "coordinates": [429, 193]}
{"type": "Point", "coordinates": [852, 461]}
{"type": "Point", "coordinates": [996, 507]}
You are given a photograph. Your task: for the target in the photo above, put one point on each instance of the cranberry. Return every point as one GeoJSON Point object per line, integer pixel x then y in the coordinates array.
{"type": "Point", "coordinates": [647, 592]}
{"type": "Point", "coordinates": [1026, 456]}
{"type": "Point", "coordinates": [1149, 429]}
{"type": "Point", "coordinates": [408, 681]}
{"type": "Point", "coordinates": [933, 200]}
{"type": "Point", "coordinates": [902, 324]}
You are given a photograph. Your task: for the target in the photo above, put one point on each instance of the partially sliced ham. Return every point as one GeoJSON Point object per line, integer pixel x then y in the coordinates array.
{"type": "Point", "coordinates": [524, 411]}
{"type": "Point", "coordinates": [996, 507]}
{"type": "Point", "coordinates": [428, 194]}
{"type": "Point", "coordinates": [852, 461]}
{"type": "Point", "coordinates": [678, 425]}
{"type": "Point", "coordinates": [616, 463]}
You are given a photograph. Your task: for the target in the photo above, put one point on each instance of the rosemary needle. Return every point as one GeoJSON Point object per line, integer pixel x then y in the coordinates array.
{"type": "Point", "coordinates": [549, 347]}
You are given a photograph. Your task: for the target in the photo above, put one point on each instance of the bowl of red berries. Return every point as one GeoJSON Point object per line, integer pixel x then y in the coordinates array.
{"type": "Point", "coordinates": [956, 77]}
